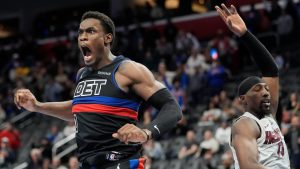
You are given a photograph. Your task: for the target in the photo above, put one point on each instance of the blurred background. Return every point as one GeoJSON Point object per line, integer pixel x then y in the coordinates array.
{"type": "Point", "coordinates": [183, 42]}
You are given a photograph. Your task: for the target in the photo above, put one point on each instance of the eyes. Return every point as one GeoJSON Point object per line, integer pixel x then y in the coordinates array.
{"type": "Point", "coordinates": [257, 88]}
{"type": "Point", "coordinates": [88, 31]}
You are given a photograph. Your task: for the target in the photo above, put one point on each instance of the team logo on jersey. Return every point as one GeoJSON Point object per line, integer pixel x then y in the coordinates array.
{"type": "Point", "coordinates": [89, 87]}
{"type": "Point", "coordinates": [272, 136]}
{"type": "Point", "coordinates": [104, 73]}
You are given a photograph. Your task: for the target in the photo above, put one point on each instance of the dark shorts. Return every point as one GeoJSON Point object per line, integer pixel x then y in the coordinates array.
{"type": "Point", "coordinates": [129, 164]}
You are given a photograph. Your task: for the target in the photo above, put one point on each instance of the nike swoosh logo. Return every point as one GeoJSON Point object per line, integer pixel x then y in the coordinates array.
{"type": "Point", "coordinates": [155, 126]}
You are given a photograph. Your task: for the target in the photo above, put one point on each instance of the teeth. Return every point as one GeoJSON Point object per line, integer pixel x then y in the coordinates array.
{"type": "Point", "coordinates": [85, 50]}
{"type": "Point", "coordinates": [267, 103]}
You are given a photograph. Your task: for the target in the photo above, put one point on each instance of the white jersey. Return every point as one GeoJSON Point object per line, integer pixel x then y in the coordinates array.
{"type": "Point", "coordinates": [272, 150]}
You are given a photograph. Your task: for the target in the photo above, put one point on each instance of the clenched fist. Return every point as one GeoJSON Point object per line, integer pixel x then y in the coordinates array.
{"type": "Point", "coordinates": [25, 99]}
{"type": "Point", "coordinates": [132, 133]}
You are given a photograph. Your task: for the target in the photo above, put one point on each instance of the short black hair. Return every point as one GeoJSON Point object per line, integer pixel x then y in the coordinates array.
{"type": "Point", "coordinates": [105, 21]}
{"type": "Point", "coordinates": [247, 84]}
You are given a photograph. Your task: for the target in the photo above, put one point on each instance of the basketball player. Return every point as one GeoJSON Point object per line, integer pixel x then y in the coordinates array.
{"type": "Point", "coordinates": [106, 101]}
{"type": "Point", "coordinates": [256, 140]}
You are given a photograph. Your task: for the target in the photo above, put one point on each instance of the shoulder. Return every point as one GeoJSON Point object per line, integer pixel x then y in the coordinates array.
{"type": "Point", "coordinates": [79, 73]}
{"type": "Point", "coordinates": [135, 71]}
{"type": "Point", "coordinates": [247, 127]}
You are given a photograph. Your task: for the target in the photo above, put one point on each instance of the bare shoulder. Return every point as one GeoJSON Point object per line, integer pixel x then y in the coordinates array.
{"type": "Point", "coordinates": [139, 78]}
{"type": "Point", "coordinates": [246, 127]}
{"type": "Point", "coordinates": [135, 71]}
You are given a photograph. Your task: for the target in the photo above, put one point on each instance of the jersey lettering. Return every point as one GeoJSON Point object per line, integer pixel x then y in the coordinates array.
{"type": "Point", "coordinates": [280, 151]}
{"type": "Point", "coordinates": [89, 87]}
{"type": "Point", "coordinates": [272, 137]}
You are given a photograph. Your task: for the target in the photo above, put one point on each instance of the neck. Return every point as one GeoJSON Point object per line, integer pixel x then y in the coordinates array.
{"type": "Point", "coordinates": [259, 115]}
{"type": "Point", "coordinates": [107, 58]}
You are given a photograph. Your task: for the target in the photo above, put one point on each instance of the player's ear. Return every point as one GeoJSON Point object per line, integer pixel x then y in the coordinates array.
{"type": "Point", "coordinates": [108, 38]}
{"type": "Point", "coordinates": [242, 99]}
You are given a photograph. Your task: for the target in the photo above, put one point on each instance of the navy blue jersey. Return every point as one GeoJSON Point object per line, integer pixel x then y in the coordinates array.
{"type": "Point", "coordinates": [100, 108]}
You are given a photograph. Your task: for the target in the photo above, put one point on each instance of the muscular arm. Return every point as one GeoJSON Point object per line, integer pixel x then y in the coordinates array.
{"type": "Point", "coordinates": [244, 135]}
{"type": "Point", "coordinates": [25, 99]}
{"type": "Point", "coordinates": [260, 54]}
{"type": "Point", "coordinates": [61, 110]}
{"type": "Point", "coordinates": [143, 83]}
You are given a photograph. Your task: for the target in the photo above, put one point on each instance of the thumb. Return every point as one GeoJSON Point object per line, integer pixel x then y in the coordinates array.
{"type": "Point", "coordinates": [115, 135]}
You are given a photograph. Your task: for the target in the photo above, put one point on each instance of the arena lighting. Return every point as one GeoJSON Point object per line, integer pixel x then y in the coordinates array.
{"type": "Point", "coordinates": [171, 4]}
{"type": "Point", "coordinates": [5, 32]}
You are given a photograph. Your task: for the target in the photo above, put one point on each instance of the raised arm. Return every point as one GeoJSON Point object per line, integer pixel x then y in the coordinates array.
{"type": "Point", "coordinates": [25, 99]}
{"type": "Point", "coordinates": [244, 135]}
{"type": "Point", "coordinates": [142, 81]}
{"type": "Point", "coordinates": [260, 54]}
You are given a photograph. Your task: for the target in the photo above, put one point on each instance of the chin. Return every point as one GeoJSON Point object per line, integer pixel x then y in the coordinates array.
{"type": "Point", "coordinates": [266, 111]}
{"type": "Point", "coordinates": [88, 63]}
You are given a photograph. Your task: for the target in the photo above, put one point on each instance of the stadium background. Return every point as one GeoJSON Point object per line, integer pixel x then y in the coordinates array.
{"type": "Point", "coordinates": [183, 42]}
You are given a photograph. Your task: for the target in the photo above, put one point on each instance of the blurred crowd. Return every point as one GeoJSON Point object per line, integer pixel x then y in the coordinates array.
{"type": "Point", "coordinates": [201, 74]}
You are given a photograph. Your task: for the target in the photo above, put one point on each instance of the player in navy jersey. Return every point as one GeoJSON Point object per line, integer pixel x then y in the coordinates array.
{"type": "Point", "coordinates": [256, 140]}
{"type": "Point", "coordinates": [106, 100]}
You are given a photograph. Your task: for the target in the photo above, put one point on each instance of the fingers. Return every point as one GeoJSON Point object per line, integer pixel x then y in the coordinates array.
{"type": "Point", "coordinates": [221, 13]}
{"type": "Point", "coordinates": [130, 133]}
{"type": "Point", "coordinates": [16, 101]}
{"type": "Point", "coordinates": [225, 9]}
{"type": "Point", "coordinates": [21, 96]}
{"type": "Point", "coordinates": [233, 9]}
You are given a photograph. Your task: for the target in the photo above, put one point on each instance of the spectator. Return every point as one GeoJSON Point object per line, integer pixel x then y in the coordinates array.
{"type": "Point", "coordinates": [154, 150]}
{"type": "Point", "coordinates": [209, 144]}
{"type": "Point", "coordinates": [54, 135]}
{"type": "Point", "coordinates": [6, 154]}
{"type": "Point", "coordinates": [46, 148]}
{"type": "Point", "coordinates": [73, 162]}
{"type": "Point", "coordinates": [190, 147]}
{"type": "Point", "coordinates": [223, 133]}
{"type": "Point", "coordinates": [13, 135]}
{"type": "Point", "coordinates": [35, 159]}
{"type": "Point", "coordinates": [52, 91]}
{"type": "Point", "coordinates": [216, 76]}
{"type": "Point", "coordinates": [226, 47]}
{"type": "Point", "coordinates": [56, 163]}
{"type": "Point", "coordinates": [196, 59]}
{"type": "Point", "coordinates": [197, 86]}
{"type": "Point", "coordinates": [293, 104]}
{"type": "Point", "coordinates": [252, 19]}
{"type": "Point", "coordinates": [179, 93]}
{"type": "Point", "coordinates": [293, 141]}
{"type": "Point", "coordinates": [227, 161]}
{"type": "Point", "coordinates": [69, 129]}
{"type": "Point", "coordinates": [46, 163]}
{"type": "Point", "coordinates": [2, 112]}
{"type": "Point", "coordinates": [285, 26]}
{"type": "Point", "coordinates": [224, 100]}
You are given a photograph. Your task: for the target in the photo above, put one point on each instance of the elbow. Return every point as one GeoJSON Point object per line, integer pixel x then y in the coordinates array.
{"type": "Point", "coordinates": [179, 116]}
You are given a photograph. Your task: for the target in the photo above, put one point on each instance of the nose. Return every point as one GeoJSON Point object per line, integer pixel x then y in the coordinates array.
{"type": "Point", "coordinates": [265, 93]}
{"type": "Point", "coordinates": [83, 37]}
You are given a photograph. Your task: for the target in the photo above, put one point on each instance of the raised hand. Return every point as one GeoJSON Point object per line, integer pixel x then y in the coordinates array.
{"type": "Point", "coordinates": [130, 133]}
{"type": "Point", "coordinates": [232, 19]}
{"type": "Point", "coordinates": [25, 99]}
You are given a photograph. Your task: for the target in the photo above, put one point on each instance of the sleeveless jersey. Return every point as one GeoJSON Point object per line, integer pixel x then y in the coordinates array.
{"type": "Point", "coordinates": [272, 150]}
{"type": "Point", "coordinates": [100, 108]}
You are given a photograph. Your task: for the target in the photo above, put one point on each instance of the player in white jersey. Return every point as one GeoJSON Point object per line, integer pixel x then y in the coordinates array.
{"type": "Point", "coordinates": [256, 139]}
